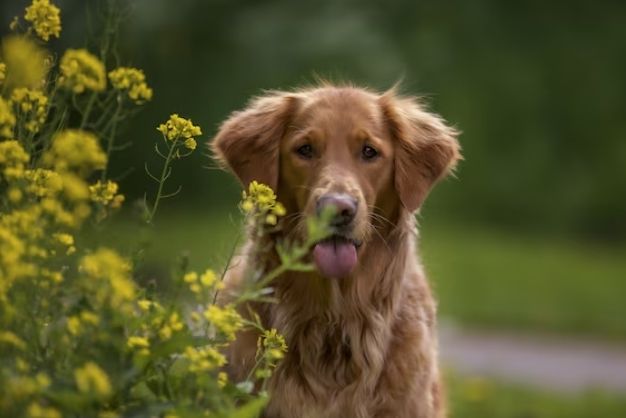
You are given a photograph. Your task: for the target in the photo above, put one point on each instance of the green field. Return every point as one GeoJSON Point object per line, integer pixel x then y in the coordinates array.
{"type": "Point", "coordinates": [493, 279]}
{"type": "Point", "coordinates": [479, 398]}
{"type": "Point", "coordinates": [482, 278]}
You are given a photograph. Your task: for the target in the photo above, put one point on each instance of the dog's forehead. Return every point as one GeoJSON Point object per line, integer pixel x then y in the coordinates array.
{"type": "Point", "coordinates": [348, 108]}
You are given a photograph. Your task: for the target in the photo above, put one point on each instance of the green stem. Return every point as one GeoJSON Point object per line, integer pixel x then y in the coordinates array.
{"type": "Point", "coordinates": [90, 103]}
{"type": "Point", "coordinates": [162, 182]}
{"type": "Point", "coordinates": [111, 139]}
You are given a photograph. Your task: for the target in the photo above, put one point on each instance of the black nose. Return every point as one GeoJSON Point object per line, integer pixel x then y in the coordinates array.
{"type": "Point", "coordinates": [345, 207]}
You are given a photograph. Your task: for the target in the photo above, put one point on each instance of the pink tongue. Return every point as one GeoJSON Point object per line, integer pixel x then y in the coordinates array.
{"type": "Point", "coordinates": [335, 258]}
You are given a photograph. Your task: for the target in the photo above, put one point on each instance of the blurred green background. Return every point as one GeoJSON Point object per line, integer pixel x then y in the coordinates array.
{"type": "Point", "coordinates": [530, 236]}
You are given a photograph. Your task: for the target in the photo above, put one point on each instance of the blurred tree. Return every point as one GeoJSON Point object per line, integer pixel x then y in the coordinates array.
{"type": "Point", "coordinates": [537, 88]}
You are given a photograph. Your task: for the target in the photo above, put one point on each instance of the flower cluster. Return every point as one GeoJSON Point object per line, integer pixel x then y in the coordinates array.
{"type": "Point", "coordinates": [91, 379]}
{"type": "Point", "coordinates": [271, 348]}
{"type": "Point", "coordinates": [81, 71]}
{"type": "Point", "coordinates": [7, 119]}
{"type": "Point", "coordinates": [106, 194]}
{"type": "Point", "coordinates": [33, 104]}
{"type": "Point", "coordinates": [133, 81]}
{"type": "Point", "coordinates": [226, 320]}
{"type": "Point", "coordinates": [260, 200]}
{"type": "Point", "coordinates": [112, 341]}
{"type": "Point", "coordinates": [207, 280]}
{"type": "Point", "coordinates": [177, 128]}
{"type": "Point", "coordinates": [26, 63]}
{"type": "Point", "coordinates": [75, 150]}
{"type": "Point", "coordinates": [45, 18]}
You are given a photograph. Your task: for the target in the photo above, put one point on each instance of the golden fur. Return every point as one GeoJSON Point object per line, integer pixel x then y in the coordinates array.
{"type": "Point", "coordinates": [364, 345]}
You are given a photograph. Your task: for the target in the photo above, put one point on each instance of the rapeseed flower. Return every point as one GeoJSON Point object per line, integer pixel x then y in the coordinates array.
{"type": "Point", "coordinates": [91, 379]}
{"type": "Point", "coordinates": [106, 194]}
{"type": "Point", "coordinates": [67, 241]}
{"type": "Point", "coordinates": [32, 106]}
{"type": "Point", "coordinates": [273, 345]}
{"type": "Point", "coordinates": [133, 80]}
{"type": "Point", "coordinates": [81, 71]}
{"type": "Point", "coordinates": [108, 266]}
{"type": "Point", "coordinates": [226, 320]}
{"type": "Point", "coordinates": [3, 72]}
{"type": "Point", "coordinates": [45, 19]}
{"type": "Point", "coordinates": [13, 158]}
{"type": "Point", "coordinates": [42, 182]}
{"type": "Point", "coordinates": [173, 324]}
{"type": "Point", "coordinates": [260, 200]}
{"type": "Point", "coordinates": [7, 119]}
{"type": "Point", "coordinates": [179, 128]}
{"type": "Point", "coordinates": [75, 150]}
{"type": "Point", "coordinates": [37, 411]}
{"type": "Point", "coordinates": [203, 359]}
{"type": "Point", "coordinates": [26, 63]}
{"type": "Point", "coordinates": [9, 338]}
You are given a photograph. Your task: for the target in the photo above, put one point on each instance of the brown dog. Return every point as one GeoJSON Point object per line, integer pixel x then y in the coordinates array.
{"type": "Point", "coordinates": [361, 329]}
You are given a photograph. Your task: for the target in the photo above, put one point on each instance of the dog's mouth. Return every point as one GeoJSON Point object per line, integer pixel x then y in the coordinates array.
{"type": "Point", "coordinates": [336, 256]}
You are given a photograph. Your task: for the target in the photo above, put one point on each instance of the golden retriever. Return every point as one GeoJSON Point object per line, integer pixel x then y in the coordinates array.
{"type": "Point", "coordinates": [361, 329]}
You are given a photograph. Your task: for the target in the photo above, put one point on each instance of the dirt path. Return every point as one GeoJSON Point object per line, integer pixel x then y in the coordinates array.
{"type": "Point", "coordinates": [554, 363]}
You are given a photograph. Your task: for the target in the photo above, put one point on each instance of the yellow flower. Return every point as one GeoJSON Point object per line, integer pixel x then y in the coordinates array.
{"type": "Point", "coordinates": [7, 119]}
{"type": "Point", "coordinates": [134, 81]}
{"type": "Point", "coordinates": [209, 279]}
{"type": "Point", "coordinates": [226, 321]}
{"type": "Point", "coordinates": [273, 344]}
{"type": "Point", "coordinates": [14, 194]}
{"type": "Point", "coordinates": [37, 411]}
{"type": "Point", "coordinates": [106, 194]}
{"type": "Point", "coordinates": [32, 105]}
{"type": "Point", "coordinates": [179, 128]}
{"type": "Point", "coordinates": [81, 71]}
{"type": "Point", "coordinates": [75, 150]}
{"type": "Point", "coordinates": [9, 338]}
{"type": "Point", "coordinates": [204, 358]}
{"type": "Point", "coordinates": [108, 266]}
{"type": "Point", "coordinates": [222, 379]}
{"type": "Point", "coordinates": [172, 325]}
{"type": "Point", "coordinates": [190, 143]}
{"type": "Point", "coordinates": [260, 200]}
{"type": "Point", "coordinates": [42, 182]}
{"type": "Point", "coordinates": [26, 63]}
{"type": "Point", "coordinates": [137, 342]}
{"type": "Point", "coordinates": [73, 325]}
{"type": "Point", "coordinates": [190, 277]}
{"type": "Point", "coordinates": [12, 158]}
{"type": "Point", "coordinates": [3, 72]}
{"type": "Point", "coordinates": [45, 18]}
{"type": "Point", "coordinates": [66, 240]}
{"type": "Point", "coordinates": [93, 380]}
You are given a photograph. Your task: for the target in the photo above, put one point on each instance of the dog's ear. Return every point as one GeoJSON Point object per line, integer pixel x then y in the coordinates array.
{"type": "Point", "coordinates": [248, 141]}
{"type": "Point", "coordinates": [426, 148]}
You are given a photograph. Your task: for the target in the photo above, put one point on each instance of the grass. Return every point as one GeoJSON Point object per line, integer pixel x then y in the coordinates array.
{"type": "Point", "coordinates": [492, 279]}
{"type": "Point", "coordinates": [479, 398]}
{"type": "Point", "coordinates": [482, 278]}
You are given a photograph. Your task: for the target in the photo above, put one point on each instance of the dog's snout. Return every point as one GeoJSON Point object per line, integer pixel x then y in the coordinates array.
{"type": "Point", "coordinates": [345, 207]}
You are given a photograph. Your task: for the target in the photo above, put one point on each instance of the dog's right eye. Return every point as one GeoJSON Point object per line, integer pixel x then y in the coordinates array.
{"type": "Point", "coordinates": [305, 151]}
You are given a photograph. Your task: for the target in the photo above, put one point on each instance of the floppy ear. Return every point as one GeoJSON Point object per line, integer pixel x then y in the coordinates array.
{"type": "Point", "coordinates": [248, 141]}
{"type": "Point", "coordinates": [426, 148]}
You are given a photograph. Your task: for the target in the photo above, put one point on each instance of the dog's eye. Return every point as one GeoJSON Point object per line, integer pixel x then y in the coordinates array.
{"type": "Point", "coordinates": [305, 151]}
{"type": "Point", "coordinates": [369, 153]}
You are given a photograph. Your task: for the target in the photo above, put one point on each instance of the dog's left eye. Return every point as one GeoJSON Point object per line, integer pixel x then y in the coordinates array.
{"type": "Point", "coordinates": [369, 153]}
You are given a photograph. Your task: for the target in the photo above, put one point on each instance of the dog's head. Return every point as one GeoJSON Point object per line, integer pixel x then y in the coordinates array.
{"type": "Point", "coordinates": [369, 156]}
